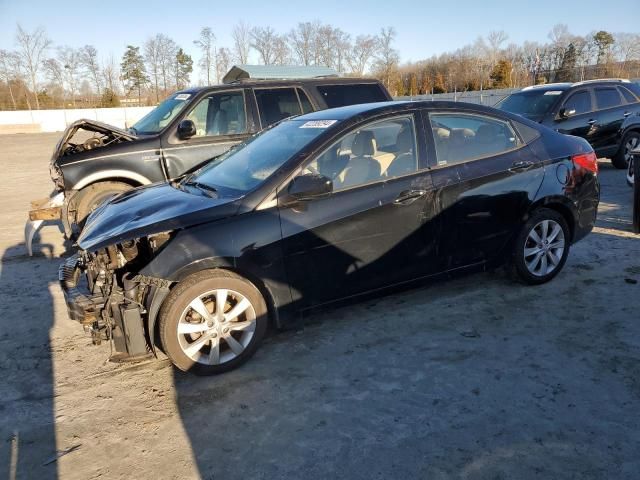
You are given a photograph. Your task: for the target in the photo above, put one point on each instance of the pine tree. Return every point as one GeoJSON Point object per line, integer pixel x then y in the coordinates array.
{"type": "Point", "coordinates": [568, 65]}
{"type": "Point", "coordinates": [133, 70]}
{"type": "Point", "coordinates": [501, 74]}
{"type": "Point", "coordinates": [182, 68]}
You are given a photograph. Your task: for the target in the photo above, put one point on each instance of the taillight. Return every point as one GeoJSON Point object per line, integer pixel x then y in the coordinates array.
{"type": "Point", "coordinates": [588, 161]}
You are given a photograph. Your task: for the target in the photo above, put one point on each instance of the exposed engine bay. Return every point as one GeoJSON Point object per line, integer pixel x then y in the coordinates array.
{"type": "Point", "coordinates": [84, 135]}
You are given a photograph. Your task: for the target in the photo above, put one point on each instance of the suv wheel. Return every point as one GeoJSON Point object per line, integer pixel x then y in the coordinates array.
{"type": "Point", "coordinates": [630, 142]}
{"type": "Point", "coordinates": [212, 322]}
{"type": "Point", "coordinates": [542, 247]}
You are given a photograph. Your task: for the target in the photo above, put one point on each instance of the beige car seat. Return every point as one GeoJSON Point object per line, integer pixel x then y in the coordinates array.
{"type": "Point", "coordinates": [362, 167]}
{"type": "Point", "coordinates": [405, 162]}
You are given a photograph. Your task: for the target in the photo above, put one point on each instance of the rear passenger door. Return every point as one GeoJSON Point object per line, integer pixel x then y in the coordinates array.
{"type": "Point", "coordinates": [498, 179]}
{"type": "Point", "coordinates": [609, 117]}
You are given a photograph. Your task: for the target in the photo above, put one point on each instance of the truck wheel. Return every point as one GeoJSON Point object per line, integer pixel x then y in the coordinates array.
{"type": "Point", "coordinates": [212, 322]}
{"type": "Point", "coordinates": [90, 197]}
{"type": "Point", "coordinates": [542, 247]}
{"type": "Point", "coordinates": [630, 142]}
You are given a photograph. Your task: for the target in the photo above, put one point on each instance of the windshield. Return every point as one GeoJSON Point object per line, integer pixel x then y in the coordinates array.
{"type": "Point", "coordinates": [530, 103]}
{"type": "Point", "coordinates": [159, 117]}
{"type": "Point", "coordinates": [246, 166]}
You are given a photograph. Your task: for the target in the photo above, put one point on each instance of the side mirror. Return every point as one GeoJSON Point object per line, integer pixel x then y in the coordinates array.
{"type": "Point", "coordinates": [565, 113]}
{"type": "Point", "coordinates": [186, 129]}
{"type": "Point", "coordinates": [309, 186]}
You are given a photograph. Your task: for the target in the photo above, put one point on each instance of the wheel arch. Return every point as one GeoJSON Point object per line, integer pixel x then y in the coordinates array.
{"type": "Point", "coordinates": [561, 205]}
{"type": "Point", "coordinates": [123, 176]}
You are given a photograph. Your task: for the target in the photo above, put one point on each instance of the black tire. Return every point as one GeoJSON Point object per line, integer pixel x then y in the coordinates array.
{"type": "Point", "coordinates": [620, 160]}
{"type": "Point", "coordinates": [178, 302]}
{"type": "Point", "coordinates": [89, 198]}
{"type": "Point", "coordinates": [520, 264]}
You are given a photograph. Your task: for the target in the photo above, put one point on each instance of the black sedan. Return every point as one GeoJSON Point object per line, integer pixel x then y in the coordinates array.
{"type": "Point", "coordinates": [323, 207]}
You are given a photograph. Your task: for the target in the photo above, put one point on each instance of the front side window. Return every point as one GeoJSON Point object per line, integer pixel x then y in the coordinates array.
{"type": "Point", "coordinates": [219, 114]}
{"type": "Point", "coordinates": [607, 98]}
{"type": "Point", "coordinates": [462, 136]}
{"type": "Point", "coordinates": [579, 103]}
{"type": "Point", "coordinates": [378, 151]}
{"type": "Point", "coordinates": [276, 104]}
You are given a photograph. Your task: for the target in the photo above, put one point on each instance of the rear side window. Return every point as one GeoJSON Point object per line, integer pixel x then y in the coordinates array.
{"type": "Point", "coordinates": [607, 98]}
{"type": "Point", "coordinates": [580, 102]}
{"type": "Point", "coordinates": [276, 104]}
{"type": "Point", "coordinates": [628, 96]}
{"type": "Point", "coordinates": [341, 95]}
{"type": "Point", "coordinates": [462, 136]}
{"type": "Point", "coordinates": [304, 101]}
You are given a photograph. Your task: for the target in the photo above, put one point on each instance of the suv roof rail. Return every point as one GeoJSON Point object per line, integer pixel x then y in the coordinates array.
{"type": "Point", "coordinates": [546, 85]}
{"type": "Point", "coordinates": [238, 73]}
{"type": "Point", "coordinates": [597, 80]}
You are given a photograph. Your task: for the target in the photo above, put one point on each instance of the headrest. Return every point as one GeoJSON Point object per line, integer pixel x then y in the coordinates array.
{"type": "Point", "coordinates": [364, 144]}
{"type": "Point", "coordinates": [404, 142]}
{"type": "Point", "coordinates": [441, 133]}
{"type": "Point", "coordinates": [487, 133]}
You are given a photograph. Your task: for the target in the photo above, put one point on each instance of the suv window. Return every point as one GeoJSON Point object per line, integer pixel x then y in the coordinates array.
{"type": "Point", "coordinates": [580, 102]}
{"type": "Point", "coordinates": [351, 94]}
{"type": "Point", "coordinates": [607, 98]}
{"type": "Point", "coordinates": [219, 114]}
{"type": "Point", "coordinates": [464, 136]}
{"type": "Point", "coordinates": [276, 104]}
{"type": "Point", "coordinates": [380, 150]}
{"type": "Point", "coordinates": [304, 101]}
{"type": "Point", "coordinates": [628, 95]}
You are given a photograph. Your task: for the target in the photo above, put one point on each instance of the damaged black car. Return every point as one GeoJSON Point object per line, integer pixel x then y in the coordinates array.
{"type": "Point", "coordinates": [323, 207]}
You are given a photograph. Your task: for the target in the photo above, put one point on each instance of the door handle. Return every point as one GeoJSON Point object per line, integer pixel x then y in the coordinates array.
{"type": "Point", "coordinates": [591, 122]}
{"type": "Point", "coordinates": [626, 114]}
{"type": "Point", "coordinates": [520, 165]}
{"type": "Point", "coordinates": [407, 197]}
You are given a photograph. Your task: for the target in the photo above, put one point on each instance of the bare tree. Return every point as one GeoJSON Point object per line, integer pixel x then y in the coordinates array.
{"type": "Point", "coordinates": [495, 39]}
{"type": "Point", "coordinates": [263, 40]}
{"type": "Point", "coordinates": [89, 60]}
{"type": "Point", "coordinates": [31, 47]}
{"type": "Point", "coordinates": [627, 49]}
{"type": "Point", "coordinates": [387, 57]}
{"type": "Point", "coordinates": [361, 53]}
{"type": "Point", "coordinates": [153, 59]}
{"type": "Point", "coordinates": [110, 74]}
{"type": "Point", "coordinates": [302, 40]}
{"type": "Point", "coordinates": [206, 44]}
{"type": "Point", "coordinates": [168, 49]}
{"type": "Point", "coordinates": [223, 62]}
{"type": "Point", "coordinates": [69, 58]}
{"type": "Point", "coordinates": [241, 35]}
{"type": "Point", "coordinates": [9, 71]}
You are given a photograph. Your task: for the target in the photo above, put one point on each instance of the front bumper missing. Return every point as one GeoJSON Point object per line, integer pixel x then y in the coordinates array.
{"type": "Point", "coordinates": [41, 211]}
{"type": "Point", "coordinates": [120, 318]}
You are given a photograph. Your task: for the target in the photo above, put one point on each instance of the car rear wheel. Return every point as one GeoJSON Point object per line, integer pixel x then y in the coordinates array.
{"type": "Point", "coordinates": [212, 322]}
{"type": "Point", "coordinates": [542, 247]}
{"type": "Point", "coordinates": [630, 142]}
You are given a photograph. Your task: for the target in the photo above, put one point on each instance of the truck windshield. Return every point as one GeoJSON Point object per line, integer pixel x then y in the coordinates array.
{"type": "Point", "coordinates": [159, 117]}
{"type": "Point", "coordinates": [249, 164]}
{"type": "Point", "coordinates": [532, 103]}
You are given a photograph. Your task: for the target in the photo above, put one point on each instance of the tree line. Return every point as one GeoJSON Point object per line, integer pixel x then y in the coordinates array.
{"type": "Point", "coordinates": [36, 74]}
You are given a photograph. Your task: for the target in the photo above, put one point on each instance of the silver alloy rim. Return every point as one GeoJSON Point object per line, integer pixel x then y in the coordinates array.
{"type": "Point", "coordinates": [630, 171]}
{"type": "Point", "coordinates": [631, 144]}
{"type": "Point", "coordinates": [216, 327]}
{"type": "Point", "coordinates": [544, 248]}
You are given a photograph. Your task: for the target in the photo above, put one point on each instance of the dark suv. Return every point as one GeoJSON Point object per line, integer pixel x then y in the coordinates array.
{"type": "Point", "coordinates": [604, 112]}
{"type": "Point", "coordinates": [93, 161]}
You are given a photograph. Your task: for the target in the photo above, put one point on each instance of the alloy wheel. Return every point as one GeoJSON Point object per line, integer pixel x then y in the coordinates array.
{"type": "Point", "coordinates": [631, 145]}
{"type": "Point", "coordinates": [544, 248]}
{"type": "Point", "coordinates": [216, 327]}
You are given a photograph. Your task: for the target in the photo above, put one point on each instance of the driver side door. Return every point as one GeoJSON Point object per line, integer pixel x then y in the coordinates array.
{"type": "Point", "coordinates": [221, 121]}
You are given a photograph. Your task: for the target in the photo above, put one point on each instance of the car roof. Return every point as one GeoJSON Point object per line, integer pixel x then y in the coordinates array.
{"type": "Point", "coordinates": [281, 83]}
{"type": "Point", "coordinates": [349, 111]}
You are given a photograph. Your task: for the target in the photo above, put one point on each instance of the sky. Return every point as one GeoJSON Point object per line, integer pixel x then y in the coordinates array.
{"type": "Point", "coordinates": [423, 27]}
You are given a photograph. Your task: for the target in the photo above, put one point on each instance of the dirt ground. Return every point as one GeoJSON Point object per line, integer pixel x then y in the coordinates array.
{"type": "Point", "coordinates": [472, 378]}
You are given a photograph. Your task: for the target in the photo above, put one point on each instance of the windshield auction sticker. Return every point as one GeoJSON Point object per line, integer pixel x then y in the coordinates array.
{"type": "Point", "coordinates": [553, 92]}
{"type": "Point", "coordinates": [318, 124]}
{"type": "Point", "coordinates": [183, 96]}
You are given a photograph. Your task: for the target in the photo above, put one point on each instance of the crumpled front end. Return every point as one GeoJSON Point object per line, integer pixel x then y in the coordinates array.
{"type": "Point", "coordinates": [107, 295]}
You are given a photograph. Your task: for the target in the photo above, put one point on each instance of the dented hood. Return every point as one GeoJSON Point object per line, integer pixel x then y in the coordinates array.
{"type": "Point", "coordinates": [149, 210]}
{"type": "Point", "coordinates": [92, 126]}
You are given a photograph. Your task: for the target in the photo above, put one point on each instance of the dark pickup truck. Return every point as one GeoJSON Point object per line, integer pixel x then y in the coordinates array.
{"type": "Point", "coordinates": [187, 129]}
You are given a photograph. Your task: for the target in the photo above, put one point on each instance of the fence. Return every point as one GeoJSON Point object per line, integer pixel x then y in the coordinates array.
{"type": "Point", "coordinates": [485, 97]}
{"type": "Point", "coordinates": [27, 121]}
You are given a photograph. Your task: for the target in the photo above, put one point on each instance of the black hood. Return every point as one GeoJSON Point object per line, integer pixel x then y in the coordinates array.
{"type": "Point", "coordinates": [152, 209]}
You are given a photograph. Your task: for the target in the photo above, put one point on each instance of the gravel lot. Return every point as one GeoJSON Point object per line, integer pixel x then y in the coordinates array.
{"type": "Point", "coordinates": [473, 378]}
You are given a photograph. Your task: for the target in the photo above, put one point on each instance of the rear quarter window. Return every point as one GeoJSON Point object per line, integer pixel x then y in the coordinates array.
{"type": "Point", "coordinates": [352, 94]}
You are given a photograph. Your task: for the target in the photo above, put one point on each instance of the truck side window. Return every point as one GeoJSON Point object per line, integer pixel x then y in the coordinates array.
{"type": "Point", "coordinates": [219, 114]}
{"type": "Point", "coordinates": [276, 104]}
{"type": "Point", "coordinates": [351, 94]}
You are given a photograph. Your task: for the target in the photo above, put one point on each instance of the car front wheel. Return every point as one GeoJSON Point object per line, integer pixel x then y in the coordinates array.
{"type": "Point", "coordinates": [212, 322]}
{"type": "Point", "coordinates": [542, 247]}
